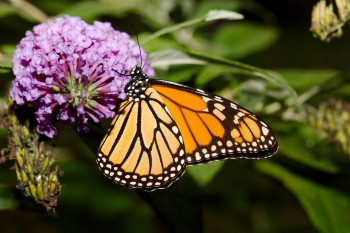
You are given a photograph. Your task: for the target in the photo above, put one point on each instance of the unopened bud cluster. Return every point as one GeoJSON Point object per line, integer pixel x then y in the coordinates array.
{"type": "Point", "coordinates": [332, 121]}
{"type": "Point", "coordinates": [33, 161]}
{"type": "Point", "coordinates": [326, 23]}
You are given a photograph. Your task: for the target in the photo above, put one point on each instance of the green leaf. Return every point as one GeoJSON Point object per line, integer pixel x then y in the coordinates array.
{"type": "Point", "coordinates": [160, 43]}
{"type": "Point", "coordinates": [8, 49]}
{"type": "Point", "coordinates": [248, 70]}
{"type": "Point", "coordinates": [252, 93]}
{"type": "Point", "coordinates": [296, 149]}
{"type": "Point", "coordinates": [6, 54]}
{"type": "Point", "coordinates": [204, 6]}
{"type": "Point", "coordinates": [165, 58]}
{"type": "Point", "coordinates": [90, 10]}
{"type": "Point", "coordinates": [301, 79]}
{"type": "Point", "coordinates": [181, 75]}
{"type": "Point", "coordinates": [209, 73]}
{"type": "Point", "coordinates": [5, 66]}
{"type": "Point", "coordinates": [327, 208]}
{"type": "Point", "coordinates": [242, 39]}
{"type": "Point", "coordinates": [222, 14]}
{"type": "Point", "coordinates": [205, 173]}
{"type": "Point", "coordinates": [210, 16]}
{"type": "Point", "coordinates": [6, 9]}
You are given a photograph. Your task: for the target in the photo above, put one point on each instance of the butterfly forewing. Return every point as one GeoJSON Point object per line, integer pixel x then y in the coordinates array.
{"type": "Point", "coordinates": [213, 127]}
{"type": "Point", "coordinates": [143, 147]}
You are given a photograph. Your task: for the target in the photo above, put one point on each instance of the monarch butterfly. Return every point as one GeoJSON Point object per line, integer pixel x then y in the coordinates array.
{"type": "Point", "coordinates": [163, 126]}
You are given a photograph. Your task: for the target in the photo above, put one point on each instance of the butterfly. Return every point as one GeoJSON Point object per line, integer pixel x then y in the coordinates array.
{"type": "Point", "coordinates": [163, 127]}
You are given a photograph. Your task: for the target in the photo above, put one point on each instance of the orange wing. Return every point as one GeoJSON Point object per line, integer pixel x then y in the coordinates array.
{"type": "Point", "coordinates": [143, 147]}
{"type": "Point", "coordinates": [164, 126]}
{"type": "Point", "coordinates": [213, 127]}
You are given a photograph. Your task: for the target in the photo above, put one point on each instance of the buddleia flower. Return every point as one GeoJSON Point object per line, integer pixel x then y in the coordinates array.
{"type": "Point", "coordinates": [71, 72]}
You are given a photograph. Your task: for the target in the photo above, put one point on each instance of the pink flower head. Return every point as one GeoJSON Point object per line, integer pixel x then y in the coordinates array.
{"type": "Point", "coordinates": [66, 69]}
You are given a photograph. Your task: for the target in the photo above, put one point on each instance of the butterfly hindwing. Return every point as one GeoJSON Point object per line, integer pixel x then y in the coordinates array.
{"type": "Point", "coordinates": [143, 147]}
{"type": "Point", "coordinates": [215, 128]}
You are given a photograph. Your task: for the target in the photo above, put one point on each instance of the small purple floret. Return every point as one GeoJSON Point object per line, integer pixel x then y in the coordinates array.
{"type": "Point", "coordinates": [65, 70]}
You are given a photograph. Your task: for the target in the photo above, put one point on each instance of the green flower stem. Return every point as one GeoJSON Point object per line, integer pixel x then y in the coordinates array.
{"type": "Point", "coordinates": [245, 69]}
{"type": "Point", "coordinates": [31, 10]}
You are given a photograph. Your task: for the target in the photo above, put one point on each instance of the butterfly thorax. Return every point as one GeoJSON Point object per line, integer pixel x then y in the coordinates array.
{"type": "Point", "coordinates": [138, 84]}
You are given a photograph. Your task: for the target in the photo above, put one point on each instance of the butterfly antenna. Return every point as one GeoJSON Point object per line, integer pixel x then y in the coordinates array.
{"type": "Point", "coordinates": [137, 39]}
{"type": "Point", "coordinates": [122, 74]}
{"type": "Point", "coordinates": [138, 43]}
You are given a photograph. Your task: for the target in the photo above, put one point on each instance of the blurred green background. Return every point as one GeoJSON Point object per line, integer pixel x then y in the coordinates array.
{"type": "Point", "coordinates": [298, 84]}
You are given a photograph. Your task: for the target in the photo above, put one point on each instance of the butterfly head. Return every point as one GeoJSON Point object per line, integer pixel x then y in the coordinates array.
{"type": "Point", "coordinates": [137, 73]}
{"type": "Point", "coordinates": [138, 84]}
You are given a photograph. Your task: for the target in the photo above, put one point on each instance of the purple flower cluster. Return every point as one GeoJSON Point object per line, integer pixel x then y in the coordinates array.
{"type": "Point", "coordinates": [66, 70]}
